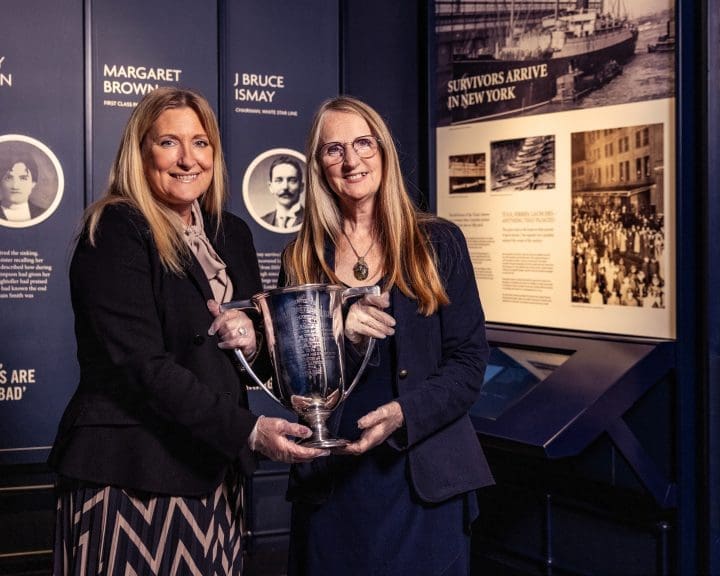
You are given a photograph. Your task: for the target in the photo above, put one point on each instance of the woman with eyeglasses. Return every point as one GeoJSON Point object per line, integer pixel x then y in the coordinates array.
{"type": "Point", "coordinates": [400, 497]}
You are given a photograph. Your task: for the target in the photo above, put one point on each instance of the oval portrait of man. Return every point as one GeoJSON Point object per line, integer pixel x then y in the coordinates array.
{"type": "Point", "coordinates": [274, 190]}
{"type": "Point", "coordinates": [31, 181]}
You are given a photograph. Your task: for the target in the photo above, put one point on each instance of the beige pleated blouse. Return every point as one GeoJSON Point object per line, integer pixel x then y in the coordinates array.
{"type": "Point", "coordinates": [211, 263]}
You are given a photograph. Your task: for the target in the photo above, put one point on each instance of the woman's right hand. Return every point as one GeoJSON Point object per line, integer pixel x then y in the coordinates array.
{"type": "Point", "coordinates": [365, 318]}
{"type": "Point", "coordinates": [271, 437]}
{"type": "Point", "coordinates": [234, 329]}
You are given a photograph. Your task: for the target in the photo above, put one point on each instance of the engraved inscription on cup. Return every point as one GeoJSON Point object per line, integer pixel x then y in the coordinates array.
{"type": "Point", "coordinates": [306, 349]}
{"type": "Point", "coordinates": [304, 330]}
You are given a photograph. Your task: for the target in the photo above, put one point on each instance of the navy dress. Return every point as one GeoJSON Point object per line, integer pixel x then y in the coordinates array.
{"type": "Point", "coordinates": [372, 523]}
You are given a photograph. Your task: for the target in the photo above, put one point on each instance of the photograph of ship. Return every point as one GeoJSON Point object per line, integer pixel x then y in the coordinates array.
{"type": "Point", "coordinates": [502, 58]}
{"type": "Point", "coordinates": [467, 173]}
{"type": "Point", "coordinates": [665, 42]}
{"type": "Point", "coordinates": [523, 164]}
{"type": "Point", "coordinates": [618, 228]}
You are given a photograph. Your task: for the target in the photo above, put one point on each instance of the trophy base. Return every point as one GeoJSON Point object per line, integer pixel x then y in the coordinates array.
{"type": "Point", "coordinates": [321, 437]}
{"type": "Point", "coordinates": [324, 443]}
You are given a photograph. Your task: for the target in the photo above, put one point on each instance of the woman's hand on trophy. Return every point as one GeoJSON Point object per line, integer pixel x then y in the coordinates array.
{"type": "Point", "coordinates": [366, 318]}
{"type": "Point", "coordinates": [376, 426]}
{"type": "Point", "coordinates": [234, 329]}
{"type": "Point", "coordinates": [273, 438]}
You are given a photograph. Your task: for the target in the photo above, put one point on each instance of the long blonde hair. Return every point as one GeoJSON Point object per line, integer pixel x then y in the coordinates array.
{"type": "Point", "coordinates": [408, 255]}
{"type": "Point", "coordinates": [128, 184]}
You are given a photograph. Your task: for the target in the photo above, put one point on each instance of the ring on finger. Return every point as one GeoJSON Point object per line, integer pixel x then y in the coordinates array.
{"type": "Point", "coordinates": [242, 331]}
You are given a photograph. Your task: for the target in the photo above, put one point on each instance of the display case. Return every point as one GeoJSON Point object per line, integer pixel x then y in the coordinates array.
{"type": "Point", "coordinates": [553, 394]}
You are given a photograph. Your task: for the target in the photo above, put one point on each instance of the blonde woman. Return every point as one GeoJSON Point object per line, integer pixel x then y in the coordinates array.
{"type": "Point", "coordinates": [153, 446]}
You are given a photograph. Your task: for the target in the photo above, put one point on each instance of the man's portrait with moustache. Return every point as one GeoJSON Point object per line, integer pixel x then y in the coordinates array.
{"type": "Point", "coordinates": [286, 184]}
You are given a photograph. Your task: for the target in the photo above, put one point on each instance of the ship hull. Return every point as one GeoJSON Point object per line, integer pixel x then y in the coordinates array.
{"type": "Point", "coordinates": [489, 88]}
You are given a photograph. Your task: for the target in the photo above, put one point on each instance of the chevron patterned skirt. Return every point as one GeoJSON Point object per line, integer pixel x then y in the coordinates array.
{"type": "Point", "coordinates": [114, 532]}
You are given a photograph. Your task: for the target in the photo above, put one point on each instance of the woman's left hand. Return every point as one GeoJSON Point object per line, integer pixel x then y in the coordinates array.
{"type": "Point", "coordinates": [234, 329]}
{"type": "Point", "coordinates": [366, 318]}
{"type": "Point", "coordinates": [376, 426]}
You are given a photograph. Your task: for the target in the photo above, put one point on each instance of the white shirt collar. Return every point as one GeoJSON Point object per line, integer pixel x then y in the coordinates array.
{"type": "Point", "coordinates": [17, 212]}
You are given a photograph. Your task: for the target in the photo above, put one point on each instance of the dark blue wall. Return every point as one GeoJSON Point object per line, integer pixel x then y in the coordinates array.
{"type": "Point", "coordinates": [383, 63]}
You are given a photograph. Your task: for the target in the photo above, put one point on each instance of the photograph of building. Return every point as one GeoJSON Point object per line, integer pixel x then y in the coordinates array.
{"type": "Point", "coordinates": [618, 234]}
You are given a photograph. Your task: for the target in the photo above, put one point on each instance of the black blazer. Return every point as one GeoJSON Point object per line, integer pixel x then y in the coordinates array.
{"type": "Point", "coordinates": [441, 361]}
{"type": "Point", "coordinates": [159, 406]}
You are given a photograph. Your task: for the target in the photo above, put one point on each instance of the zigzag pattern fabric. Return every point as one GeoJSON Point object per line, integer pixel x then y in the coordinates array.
{"type": "Point", "coordinates": [114, 532]}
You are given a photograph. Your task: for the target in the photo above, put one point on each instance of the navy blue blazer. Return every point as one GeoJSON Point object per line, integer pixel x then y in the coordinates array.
{"type": "Point", "coordinates": [441, 361]}
{"type": "Point", "coordinates": [159, 406]}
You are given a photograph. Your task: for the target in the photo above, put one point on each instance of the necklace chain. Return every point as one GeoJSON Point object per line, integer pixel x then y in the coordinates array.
{"type": "Point", "coordinates": [360, 269]}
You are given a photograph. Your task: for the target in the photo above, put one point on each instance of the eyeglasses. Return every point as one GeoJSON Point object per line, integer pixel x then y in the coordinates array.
{"type": "Point", "coordinates": [334, 152]}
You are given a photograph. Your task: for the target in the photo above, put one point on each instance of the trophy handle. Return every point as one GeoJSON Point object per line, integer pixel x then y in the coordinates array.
{"type": "Point", "coordinates": [248, 305]}
{"type": "Point", "coordinates": [354, 293]}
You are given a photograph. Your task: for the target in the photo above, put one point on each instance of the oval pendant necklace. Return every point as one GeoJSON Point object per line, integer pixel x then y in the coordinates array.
{"type": "Point", "coordinates": [360, 269]}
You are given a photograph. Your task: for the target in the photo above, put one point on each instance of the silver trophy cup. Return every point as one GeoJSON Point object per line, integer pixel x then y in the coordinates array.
{"type": "Point", "coordinates": [304, 329]}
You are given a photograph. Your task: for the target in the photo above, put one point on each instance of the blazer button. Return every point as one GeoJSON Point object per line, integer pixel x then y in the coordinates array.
{"type": "Point", "coordinates": [403, 374]}
{"type": "Point", "coordinates": [198, 339]}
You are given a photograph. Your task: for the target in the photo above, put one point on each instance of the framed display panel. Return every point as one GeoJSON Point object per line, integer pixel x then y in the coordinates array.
{"type": "Point", "coordinates": [554, 147]}
{"type": "Point", "coordinates": [128, 55]}
{"type": "Point", "coordinates": [269, 94]}
{"type": "Point", "coordinates": [41, 133]}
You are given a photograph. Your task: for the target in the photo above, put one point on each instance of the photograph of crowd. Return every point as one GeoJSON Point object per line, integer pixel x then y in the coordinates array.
{"type": "Point", "coordinates": [618, 232]}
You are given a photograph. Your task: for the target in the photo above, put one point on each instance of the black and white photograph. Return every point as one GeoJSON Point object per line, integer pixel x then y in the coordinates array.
{"type": "Point", "coordinates": [467, 173]}
{"type": "Point", "coordinates": [523, 164]}
{"type": "Point", "coordinates": [618, 228]}
{"type": "Point", "coordinates": [31, 181]}
{"type": "Point", "coordinates": [574, 103]}
{"type": "Point", "coordinates": [274, 190]}
{"type": "Point", "coordinates": [498, 59]}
